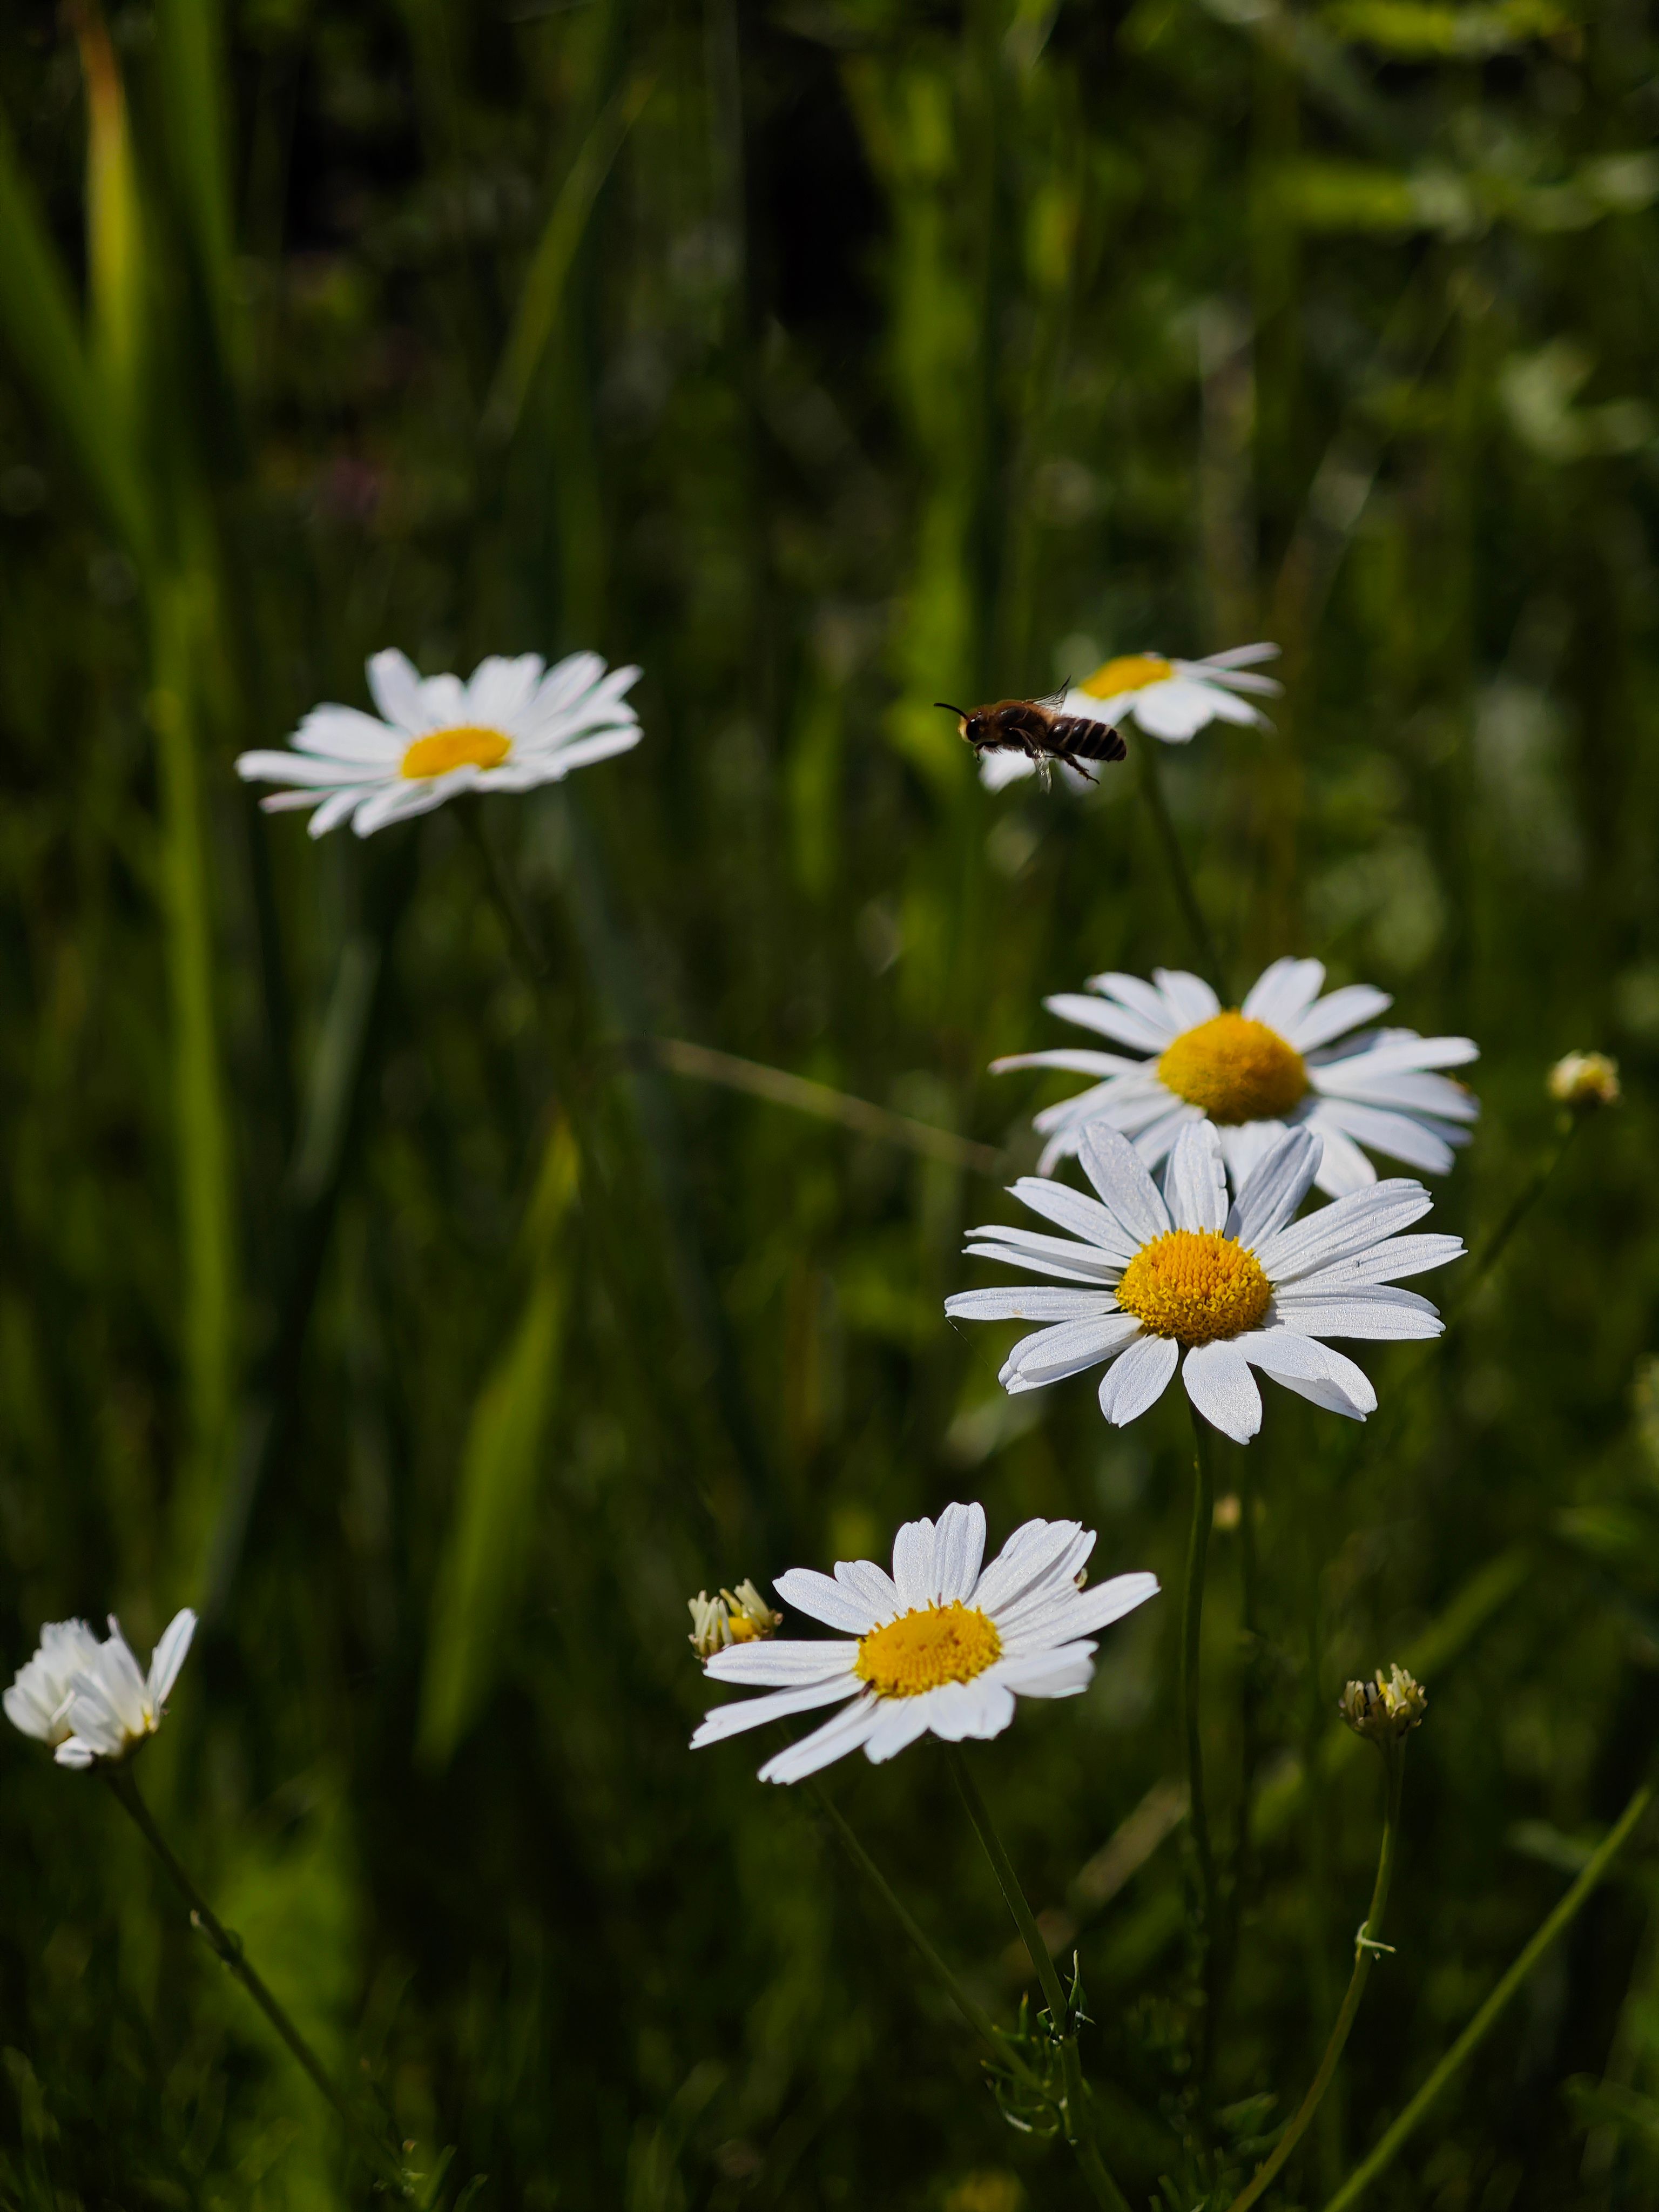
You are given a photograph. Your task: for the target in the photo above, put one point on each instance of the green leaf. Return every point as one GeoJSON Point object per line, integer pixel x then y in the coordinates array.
{"type": "Point", "coordinates": [482, 1572]}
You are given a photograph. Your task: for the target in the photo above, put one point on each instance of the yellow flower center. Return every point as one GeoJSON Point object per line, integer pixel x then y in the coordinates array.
{"type": "Point", "coordinates": [743, 1630]}
{"type": "Point", "coordinates": [1130, 671]}
{"type": "Point", "coordinates": [467, 745]}
{"type": "Point", "coordinates": [920, 1651]}
{"type": "Point", "coordinates": [1195, 1285]}
{"type": "Point", "coordinates": [1236, 1069]}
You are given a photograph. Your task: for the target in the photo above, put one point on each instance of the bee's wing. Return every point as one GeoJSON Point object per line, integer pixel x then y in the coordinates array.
{"type": "Point", "coordinates": [1053, 701]}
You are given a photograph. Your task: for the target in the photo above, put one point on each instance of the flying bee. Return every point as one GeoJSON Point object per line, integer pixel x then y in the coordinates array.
{"type": "Point", "coordinates": [1037, 728]}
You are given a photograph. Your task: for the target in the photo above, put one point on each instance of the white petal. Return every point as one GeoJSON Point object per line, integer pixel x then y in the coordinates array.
{"type": "Point", "coordinates": [866, 1583]}
{"type": "Point", "coordinates": [1031, 1556]}
{"type": "Point", "coordinates": [1363, 1217]}
{"type": "Point", "coordinates": [1140, 997]}
{"type": "Point", "coordinates": [1073, 1059]}
{"type": "Point", "coordinates": [1412, 1091]}
{"type": "Point", "coordinates": [1382, 1315]}
{"type": "Point", "coordinates": [1069, 1209]}
{"type": "Point", "coordinates": [745, 1713]}
{"type": "Point", "coordinates": [1195, 1184]}
{"type": "Point", "coordinates": [562, 686]}
{"type": "Point", "coordinates": [169, 1656]}
{"type": "Point", "coordinates": [1241, 656]}
{"type": "Point", "coordinates": [400, 802]}
{"type": "Point", "coordinates": [1118, 1174]}
{"type": "Point", "coordinates": [303, 771]}
{"type": "Point", "coordinates": [443, 699]}
{"type": "Point", "coordinates": [1099, 1606]}
{"type": "Point", "coordinates": [1035, 1301]}
{"type": "Point", "coordinates": [1313, 1369]}
{"type": "Point", "coordinates": [585, 751]}
{"type": "Point", "coordinates": [1220, 1384]}
{"type": "Point", "coordinates": [959, 1711]}
{"type": "Point", "coordinates": [805, 1590]}
{"type": "Point", "coordinates": [901, 1721]}
{"type": "Point", "coordinates": [500, 689]}
{"type": "Point", "coordinates": [1388, 1261]}
{"type": "Point", "coordinates": [1137, 1379]}
{"type": "Point", "coordinates": [1051, 1354]}
{"type": "Point", "coordinates": [1277, 1185]}
{"type": "Point", "coordinates": [1188, 998]}
{"type": "Point", "coordinates": [335, 809]}
{"type": "Point", "coordinates": [1398, 1135]}
{"type": "Point", "coordinates": [344, 733]}
{"type": "Point", "coordinates": [845, 1733]}
{"type": "Point", "coordinates": [396, 691]}
{"type": "Point", "coordinates": [1340, 1010]}
{"type": "Point", "coordinates": [1059, 1672]}
{"type": "Point", "coordinates": [788, 1661]}
{"type": "Point", "coordinates": [1343, 1168]}
{"type": "Point", "coordinates": [1175, 710]}
{"type": "Point", "coordinates": [73, 1751]}
{"type": "Point", "coordinates": [1282, 992]}
{"type": "Point", "coordinates": [960, 1547]}
{"type": "Point", "coordinates": [914, 1553]}
{"type": "Point", "coordinates": [1077, 1259]}
{"type": "Point", "coordinates": [1109, 1019]}
{"type": "Point", "coordinates": [1397, 1052]}
{"type": "Point", "coordinates": [1093, 1269]}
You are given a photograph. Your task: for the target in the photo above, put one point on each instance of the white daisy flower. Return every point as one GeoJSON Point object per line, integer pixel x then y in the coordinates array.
{"type": "Point", "coordinates": [1174, 699]}
{"type": "Point", "coordinates": [89, 1700]}
{"type": "Point", "coordinates": [1232, 1287]}
{"type": "Point", "coordinates": [937, 1647]}
{"type": "Point", "coordinates": [517, 724]}
{"type": "Point", "coordinates": [1286, 1057]}
{"type": "Point", "coordinates": [39, 1699]}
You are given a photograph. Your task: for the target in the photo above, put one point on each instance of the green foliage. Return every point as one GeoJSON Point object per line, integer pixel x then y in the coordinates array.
{"type": "Point", "coordinates": [826, 360]}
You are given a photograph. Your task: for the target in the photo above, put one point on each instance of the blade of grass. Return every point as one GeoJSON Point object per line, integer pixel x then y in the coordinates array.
{"type": "Point", "coordinates": [42, 327]}
{"type": "Point", "coordinates": [487, 1549]}
{"type": "Point", "coordinates": [195, 93]}
{"type": "Point", "coordinates": [537, 314]}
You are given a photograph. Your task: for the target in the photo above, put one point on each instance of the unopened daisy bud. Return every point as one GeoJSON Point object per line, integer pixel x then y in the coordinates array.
{"type": "Point", "coordinates": [1581, 1081]}
{"type": "Point", "coordinates": [740, 1616]}
{"type": "Point", "coordinates": [1384, 1711]}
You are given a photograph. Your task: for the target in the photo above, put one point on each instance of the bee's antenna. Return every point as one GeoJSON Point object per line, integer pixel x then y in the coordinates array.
{"type": "Point", "coordinates": [960, 712]}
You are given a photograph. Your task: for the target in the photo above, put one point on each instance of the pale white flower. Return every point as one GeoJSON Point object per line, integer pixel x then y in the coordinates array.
{"type": "Point", "coordinates": [937, 1647]}
{"type": "Point", "coordinates": [108, 1708]}
{"type": "Point", "coordinates": [38, 1701]}
{"type": "Point", "coordinates": [1231, 1287]}
{"type": "Point", "coordinates": [515, 724]}
{"type": "Point", "coordinates": [738, 1616]}
{"type": "Point", "coordinates": [1286, 1057]}
{"type": "Point", "coordinates": [1174, 699]}
{"type": "Point", "coordinates": [1584, 1080]}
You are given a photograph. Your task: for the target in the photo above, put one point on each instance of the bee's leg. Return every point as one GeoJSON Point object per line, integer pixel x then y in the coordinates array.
{"type": "Point", "coordinates": [1044, 775]}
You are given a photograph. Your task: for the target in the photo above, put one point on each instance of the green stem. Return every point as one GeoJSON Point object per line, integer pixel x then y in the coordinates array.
{"type": "Point", "coordinates": [1520, 1206]}
{"type": "Point", "coordinates": [975, 2015]}
{"type": "Point", "coordinates": [1192, 1639]}
{"type": "Point", "coordinates": [1475, 2033]}
{"type": "Point", "coordinates": [1074, 2112]}
{"type": "Point", "coordinates": [228, 1949]}
{"type": "Point", "coordinates": [1151, 787]}
{"type": "Point", "coordinates": [1364, 1957]}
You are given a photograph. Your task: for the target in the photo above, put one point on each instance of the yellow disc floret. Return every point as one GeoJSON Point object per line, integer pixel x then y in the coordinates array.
{"type": "Point", "coordinates": [1195, 1286]}
{"type": "Point", "coordinates": [467, 745]}
{"type": "Point", "coordinates": [1130, 671]}
{"type": "Point", "coordinates": [1236, 1069]}
{"type": "Point", "coordinates": [921, 1651]}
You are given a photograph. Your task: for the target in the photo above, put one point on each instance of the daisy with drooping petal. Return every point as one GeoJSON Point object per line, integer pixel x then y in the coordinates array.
{"type": "Point", "coordinates": [939, 1646]}
{"type": "Point", "coordinates": [38, 1701]}
{"type": "Point", "coordinates": [89, 1700]}
{"type": "Point", "coordinates": [1218, 1289]}
{"type": "Point", "coordinates": [1174, 699]}
{"type": "Point", "coordinates": [515, 724]}
{"type": "Point", "coordinates": [1286, 1057]}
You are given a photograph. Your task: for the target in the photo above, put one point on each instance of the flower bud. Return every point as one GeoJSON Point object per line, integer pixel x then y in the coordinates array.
{"type": "Point", "coordinates": [1384, 1712]}
{"type": "Point", "coordinates": [1584, 1080]}
{"type": "Point", "coordinates": [737, 1616]}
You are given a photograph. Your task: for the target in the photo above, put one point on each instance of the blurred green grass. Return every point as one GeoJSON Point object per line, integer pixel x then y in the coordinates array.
{"type": "Point", "coordinates": [896, 354]}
